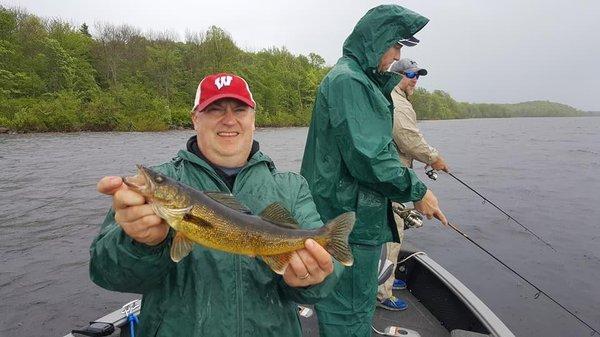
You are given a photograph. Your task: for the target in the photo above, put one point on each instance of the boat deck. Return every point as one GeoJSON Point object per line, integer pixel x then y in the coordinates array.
{"type": "Point", "coordinates": [416, 318]}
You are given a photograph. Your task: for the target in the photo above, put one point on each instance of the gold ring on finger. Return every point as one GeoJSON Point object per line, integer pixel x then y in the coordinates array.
{"type": "Point", "coordinates": [305, 276]}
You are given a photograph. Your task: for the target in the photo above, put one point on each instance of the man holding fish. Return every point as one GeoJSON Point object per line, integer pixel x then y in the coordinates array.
{"type": "Point", "coordinates": [225, 194]}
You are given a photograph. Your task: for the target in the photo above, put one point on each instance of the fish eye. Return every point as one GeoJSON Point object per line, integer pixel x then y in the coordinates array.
{"type": "Point", "coordinates": [159, 179]}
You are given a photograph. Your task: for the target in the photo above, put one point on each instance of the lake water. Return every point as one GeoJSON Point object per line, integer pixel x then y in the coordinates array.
{"type": "Point", "coordinates": [543, 171]}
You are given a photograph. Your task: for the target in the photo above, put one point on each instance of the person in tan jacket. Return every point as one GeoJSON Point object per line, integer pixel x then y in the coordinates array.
{"type": "Point", "coordinates": [411, 146]}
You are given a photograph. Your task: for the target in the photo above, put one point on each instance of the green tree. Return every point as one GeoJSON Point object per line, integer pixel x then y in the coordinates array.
{"type": "Point", "coordinates": [84, 29]}
{"type": "Point", "coordinates": [161, 65]}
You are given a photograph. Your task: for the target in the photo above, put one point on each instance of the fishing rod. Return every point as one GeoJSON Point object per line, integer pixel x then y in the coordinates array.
{"type": "Point", "coordinates": [414, 219]}
{"type": "Point", "coordinates": [524, 279]}
{"type": "Point", "coordinates": [433, 175]}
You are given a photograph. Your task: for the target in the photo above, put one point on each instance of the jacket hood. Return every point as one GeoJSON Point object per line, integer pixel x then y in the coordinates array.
{"type": "Point", "coordinates": [377, 31]}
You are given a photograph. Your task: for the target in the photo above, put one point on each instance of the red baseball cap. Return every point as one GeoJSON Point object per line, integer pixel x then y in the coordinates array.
{"type": "Point", "coordinates": [222, 85]}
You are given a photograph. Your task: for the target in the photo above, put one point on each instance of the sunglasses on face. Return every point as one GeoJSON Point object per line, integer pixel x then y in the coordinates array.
{"type": "Point", "coordinates": [411, 74]}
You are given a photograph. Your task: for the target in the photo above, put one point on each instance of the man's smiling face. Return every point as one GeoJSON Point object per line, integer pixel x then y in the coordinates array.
{"type": "Point", "coordinates": [225, 130]}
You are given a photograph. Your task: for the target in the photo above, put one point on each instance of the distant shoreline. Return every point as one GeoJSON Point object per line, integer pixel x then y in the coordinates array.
{"type": "Point", "coordinates": [4, 130]}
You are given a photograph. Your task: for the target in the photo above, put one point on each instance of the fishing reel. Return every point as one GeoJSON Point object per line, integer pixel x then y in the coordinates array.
{"type": "Point", "coordinates": [412, 218]}
{"type": "Point", "coordinates": [432, 174]}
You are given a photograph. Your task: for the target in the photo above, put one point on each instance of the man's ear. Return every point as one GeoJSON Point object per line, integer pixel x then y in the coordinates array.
{"type": "Point", "coordinates": [194, 116]}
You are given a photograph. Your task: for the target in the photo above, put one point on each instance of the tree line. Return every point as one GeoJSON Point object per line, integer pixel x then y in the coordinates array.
{"type": "Point", "coordinates": [440, 105]}
{"type": "Point", "coordinates": [55, 76]}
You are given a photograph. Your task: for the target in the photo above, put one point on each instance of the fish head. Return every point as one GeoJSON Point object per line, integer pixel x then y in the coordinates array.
{"type": "Point", "coordinates": [157, 188]}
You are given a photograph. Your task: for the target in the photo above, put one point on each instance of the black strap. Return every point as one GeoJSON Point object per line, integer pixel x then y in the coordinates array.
{"type": "Point", "coordinates": [96, 329]}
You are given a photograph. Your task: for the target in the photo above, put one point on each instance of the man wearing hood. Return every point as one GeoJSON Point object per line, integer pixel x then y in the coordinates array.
{"type": "Point", "coordinates": [351, 163]}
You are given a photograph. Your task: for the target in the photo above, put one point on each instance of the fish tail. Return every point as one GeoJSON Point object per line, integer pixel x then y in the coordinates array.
{"type": "Point", "coordinates": [338, 231]}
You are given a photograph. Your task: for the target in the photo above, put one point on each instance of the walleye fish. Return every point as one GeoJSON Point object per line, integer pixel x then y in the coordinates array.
{"type": "Point", "coordinates": [217, 220]}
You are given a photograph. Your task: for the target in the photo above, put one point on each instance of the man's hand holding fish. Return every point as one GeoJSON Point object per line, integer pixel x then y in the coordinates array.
{"type": "Point", "coordinates": [133, 214]}
{"type": "Point", "coordinates": [308, 266]}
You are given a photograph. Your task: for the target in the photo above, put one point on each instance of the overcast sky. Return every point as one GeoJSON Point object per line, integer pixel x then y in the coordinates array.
{"type": "Point", "coordinates": [479, 51]}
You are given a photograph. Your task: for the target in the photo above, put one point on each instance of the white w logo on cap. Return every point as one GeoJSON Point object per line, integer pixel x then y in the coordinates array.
{"type": "Point", "coordinates": [223, 81]}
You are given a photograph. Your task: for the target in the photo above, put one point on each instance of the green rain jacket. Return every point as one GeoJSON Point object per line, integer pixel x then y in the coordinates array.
{"type": "Point", "coordinates": [350, 161]}
{"type": "Point", "coordinates": [212, 293]}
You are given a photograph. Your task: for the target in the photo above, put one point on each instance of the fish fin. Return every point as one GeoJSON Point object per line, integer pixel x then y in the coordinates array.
{"type": "Point", "coordinates": [180, 247]}
{"type": "Point", "coordinates": [278, 262]}
{"type": "Point", "coordinates": [339, 229]}
{"type": "Point", "coordinates": [170, 214]}
{"type": "Point", "coordinates": [228, 200]}
{"type": "Point", "coordinates": [279, 215]}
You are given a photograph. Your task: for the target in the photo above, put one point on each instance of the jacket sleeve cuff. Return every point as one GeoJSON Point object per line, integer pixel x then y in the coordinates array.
{"type": "Point", "coordinates": [433, 157]}
{"type": "Point", "coordinates": [141, 249]}
{"type": "Point", "coordinates": [419, 191]}
{"type": "Point", "coordinates": [315, 293]}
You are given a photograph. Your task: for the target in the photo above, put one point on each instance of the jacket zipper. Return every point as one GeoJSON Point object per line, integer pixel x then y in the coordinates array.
{"type": "Point", "coordinates": [238, 260]}
{"type": "Point", "coordinates": [238, 273]}
{"type": "Point", "coordinates": [239, 302]}
{"type": "Point", "coordinates": [216, 178]}
{"type": "Point", "coordinates": [239, 298]}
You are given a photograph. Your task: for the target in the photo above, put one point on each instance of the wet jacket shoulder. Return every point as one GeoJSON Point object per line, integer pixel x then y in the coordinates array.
{"type": "Point", "coordinates": [350, 160]}
{"type": "Point", "coordinates": [212, 293]}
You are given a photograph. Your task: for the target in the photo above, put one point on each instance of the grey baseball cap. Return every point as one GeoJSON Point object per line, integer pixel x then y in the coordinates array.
{"type": "Point", "coordinates": [404, 65]}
